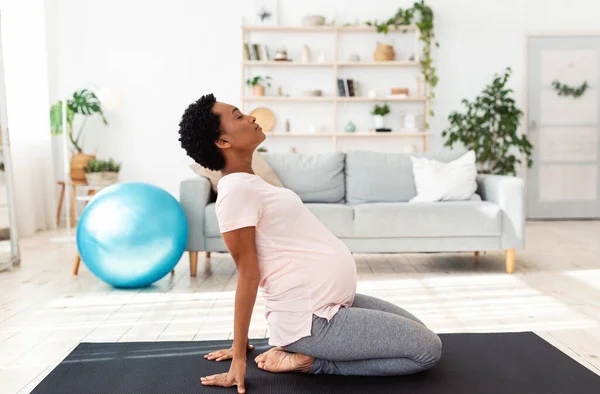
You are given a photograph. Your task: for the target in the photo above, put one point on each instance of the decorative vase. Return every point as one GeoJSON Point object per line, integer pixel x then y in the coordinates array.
{"type": "Point", "coordinates": [378, 121]}
{"type": "Point", "coordinates": [350, 127]}
{"type": "Point", "coordinates": [102, 178]}
{"type": "Point", "coordinates": [78, 162]}
{"type": "Point", "coordinates": [258, 90]}
{"type": "Point", "coordinates": [306, 54]}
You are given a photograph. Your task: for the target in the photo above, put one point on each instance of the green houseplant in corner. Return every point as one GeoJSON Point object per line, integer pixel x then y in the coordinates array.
{"type": "Point", "coordinates": [489, 126]}
{"type": "Point", "coordinates": [84, 103]}
{"type": "Point", "coordinates": [102, 172]}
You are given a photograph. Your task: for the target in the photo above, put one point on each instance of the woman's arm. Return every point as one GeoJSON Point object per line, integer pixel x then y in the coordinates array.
{"type": "Point", "coordinates": [242, 246]}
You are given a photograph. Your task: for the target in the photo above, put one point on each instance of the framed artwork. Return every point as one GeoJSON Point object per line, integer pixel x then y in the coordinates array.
{"type": "Point", "coordinates": [266, 12]}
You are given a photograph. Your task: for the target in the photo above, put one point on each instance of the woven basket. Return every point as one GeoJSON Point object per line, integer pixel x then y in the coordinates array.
{"type": "Point", "coordinates": [384, 52]}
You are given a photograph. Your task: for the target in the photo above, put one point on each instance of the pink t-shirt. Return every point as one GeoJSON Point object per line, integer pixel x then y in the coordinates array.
{"type": "Point", "coordinates": [304, 268]}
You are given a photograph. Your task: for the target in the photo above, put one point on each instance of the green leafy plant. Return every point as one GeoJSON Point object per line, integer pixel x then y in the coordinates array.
{"type": "Point", "coordinates": [83, 102]}
{"type": "Point", "coordinates": [422, 15]}
{"type": "Point", "coordinates": [259, 81]}
{"type": "Point", "coordinates": [380, 110]}
{"type": "Point", "coordinates": [95, 165]}
{"type": "Point", "coordinates": [565, 90]}
{"type": "Point", "coordinates": [489, 126]}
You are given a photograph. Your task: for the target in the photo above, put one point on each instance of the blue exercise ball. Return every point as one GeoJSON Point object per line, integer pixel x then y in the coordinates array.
{"type": "Point", "coordinates": [132, 234]}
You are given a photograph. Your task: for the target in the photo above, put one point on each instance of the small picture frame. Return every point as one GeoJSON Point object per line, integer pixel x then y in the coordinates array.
{"type": "Point", "coordinates": [266, 12]}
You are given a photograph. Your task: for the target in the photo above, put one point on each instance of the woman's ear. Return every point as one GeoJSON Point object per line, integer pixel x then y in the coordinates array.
{"type": "Point", "coordinates": [223, 144]}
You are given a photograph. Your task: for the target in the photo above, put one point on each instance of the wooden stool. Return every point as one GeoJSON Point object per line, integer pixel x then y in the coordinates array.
{"type": "Point", "coordinates": [74, 184]}
{"type": "Point", "coordinates": [63, 186]}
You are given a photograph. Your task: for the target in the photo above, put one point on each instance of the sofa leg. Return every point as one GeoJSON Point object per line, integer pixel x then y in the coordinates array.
{"type": "Point", "coordinates": [208, 255]}
{"type": "Point", "coordinates": [193, 263]}
{"type": "Point", "coordinates": [510, 261]}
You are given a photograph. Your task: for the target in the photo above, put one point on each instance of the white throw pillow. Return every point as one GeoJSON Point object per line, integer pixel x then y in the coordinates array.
{"type": "Point", "coordinates": [437, 181]}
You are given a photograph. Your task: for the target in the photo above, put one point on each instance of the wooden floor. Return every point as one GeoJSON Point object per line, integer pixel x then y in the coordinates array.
{"type": "Point", "coordinates": [45, 311]}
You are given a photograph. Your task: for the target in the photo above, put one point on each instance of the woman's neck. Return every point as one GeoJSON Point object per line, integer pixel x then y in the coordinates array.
{"type": "Point", "coordinates": [232, 166]}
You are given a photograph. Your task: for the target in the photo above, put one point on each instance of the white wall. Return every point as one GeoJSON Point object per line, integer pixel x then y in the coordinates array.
{"type": "Point", "coordinates": [161, 55]}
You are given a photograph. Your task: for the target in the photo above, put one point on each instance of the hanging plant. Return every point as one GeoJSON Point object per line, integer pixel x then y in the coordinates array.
{"type": "Point", "coordinates": [566, 90]}
{"type": "Point", "coordinates": [422, 15]}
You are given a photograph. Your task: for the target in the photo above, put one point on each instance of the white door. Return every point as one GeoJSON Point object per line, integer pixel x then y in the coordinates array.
{"type": "Point", "coordinates": [564, 181]}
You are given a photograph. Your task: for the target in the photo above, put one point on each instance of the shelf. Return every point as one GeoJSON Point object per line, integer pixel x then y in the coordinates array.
{"type": "Point", "coordinates": [290, 29]}
{"type": "Point", "coordinates": [272, 63]}
{"type": "Point", "coordinates": [292, 134]}
{"type": "Point", "coordinates": [368, 29]}
{"type": "Point", "coordinates": [324, 29]}
{"type": "Point", "coordinates": [379, 99]}
{"type": "Point", "coordinates": [333, 99]}
{"type": "Point", "coordinates": [289, 99]}
{"type": "Point", "coordinates": [393, 134]}
{"type": "Point", "coordinates": [394, 63]}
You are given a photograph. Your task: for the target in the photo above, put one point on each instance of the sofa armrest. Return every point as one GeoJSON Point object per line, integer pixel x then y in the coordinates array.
{"type": "Point", "coordinates": [194, 196]}
{"type": "Point", "coordinates": [509, 193]}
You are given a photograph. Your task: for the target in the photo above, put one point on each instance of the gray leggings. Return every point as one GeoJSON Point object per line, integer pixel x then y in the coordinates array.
{"type": "Point", "coordinates": [372, 337]}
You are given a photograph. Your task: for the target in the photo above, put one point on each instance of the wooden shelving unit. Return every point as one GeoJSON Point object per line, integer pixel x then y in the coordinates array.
{"type": "Point", "coordinates": [335, 65]}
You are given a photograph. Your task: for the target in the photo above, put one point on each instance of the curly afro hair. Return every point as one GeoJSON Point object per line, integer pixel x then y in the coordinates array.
{"type": "Point", "coordinates": [199, 128]}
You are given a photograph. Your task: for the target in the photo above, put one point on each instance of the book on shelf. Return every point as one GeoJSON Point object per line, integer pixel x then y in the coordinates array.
{"type": "Point", "coordinates": [346, 87]}
{"type": "Point", "coordinates": [350, 84]}
{"type": "Point", "coordinates": [256, 52]}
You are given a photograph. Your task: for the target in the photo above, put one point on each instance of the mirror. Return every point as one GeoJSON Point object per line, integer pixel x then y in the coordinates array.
{"type": "Point", "coordinates": [9, 249]}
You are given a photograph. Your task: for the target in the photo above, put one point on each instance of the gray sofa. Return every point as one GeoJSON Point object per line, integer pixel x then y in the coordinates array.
{"type": "Point", "coordinates": [362, 197]}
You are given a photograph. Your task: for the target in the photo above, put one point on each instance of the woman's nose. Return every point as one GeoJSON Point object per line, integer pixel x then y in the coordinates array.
{"type": "Point", "coordinates": [252, 119]}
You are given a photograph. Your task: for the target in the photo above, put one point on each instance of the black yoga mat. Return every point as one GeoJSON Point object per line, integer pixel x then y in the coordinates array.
{"type": "Point", "coordinates": [471, 363]}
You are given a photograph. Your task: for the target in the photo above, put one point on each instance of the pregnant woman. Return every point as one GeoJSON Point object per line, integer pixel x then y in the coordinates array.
{"type": "Point", "coordinates": [318, 324]}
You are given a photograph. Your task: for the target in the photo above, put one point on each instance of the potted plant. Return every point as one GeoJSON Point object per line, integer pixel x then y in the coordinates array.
{"type": "Point", "coordinates": [258, 89]}
{"type": "Point", "coordinates": [489, 126]}
{"type": "Point", "coordinates": [102, 172]}
{"type": "Point", "coordinates": [84, 103]}
{"type": "Point", "coordinates": [379, 111]}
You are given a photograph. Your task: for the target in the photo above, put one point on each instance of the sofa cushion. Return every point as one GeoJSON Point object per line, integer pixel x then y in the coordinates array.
{"type": "Point", "coordinates": [384, 177]}
{"type": "Point", "coordinates": [438, 219]}
{"type": "Point", "coordinates": [314, 177]}
{"type": "Point", "coordinates": [338, 218]}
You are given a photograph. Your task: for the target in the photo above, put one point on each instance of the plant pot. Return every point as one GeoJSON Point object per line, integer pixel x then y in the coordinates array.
{"type": "Point", "coordinates": [378, 121]}
{"type": "Point", "coordinates": [102, 178]}
{"type": "Point", "coordinates": [258, 90]}
{"type": "Point", "coordinates": [384, 53]}
{"type": "Point", "coordinates": [78, 162]}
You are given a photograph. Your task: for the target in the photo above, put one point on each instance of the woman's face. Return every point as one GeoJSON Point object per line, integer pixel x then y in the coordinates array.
{"type": "Point", "coordinates": [239, 131]}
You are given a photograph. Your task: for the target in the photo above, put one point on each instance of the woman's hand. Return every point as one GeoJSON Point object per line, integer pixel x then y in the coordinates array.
{"type": "Point", "coordinates": [235, 376]}
{"type": "Point", "coordinates": [224, 354]}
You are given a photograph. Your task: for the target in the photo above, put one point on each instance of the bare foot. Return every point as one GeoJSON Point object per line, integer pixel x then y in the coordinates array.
{"type": "Point", "coordinates": [278, 360]}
